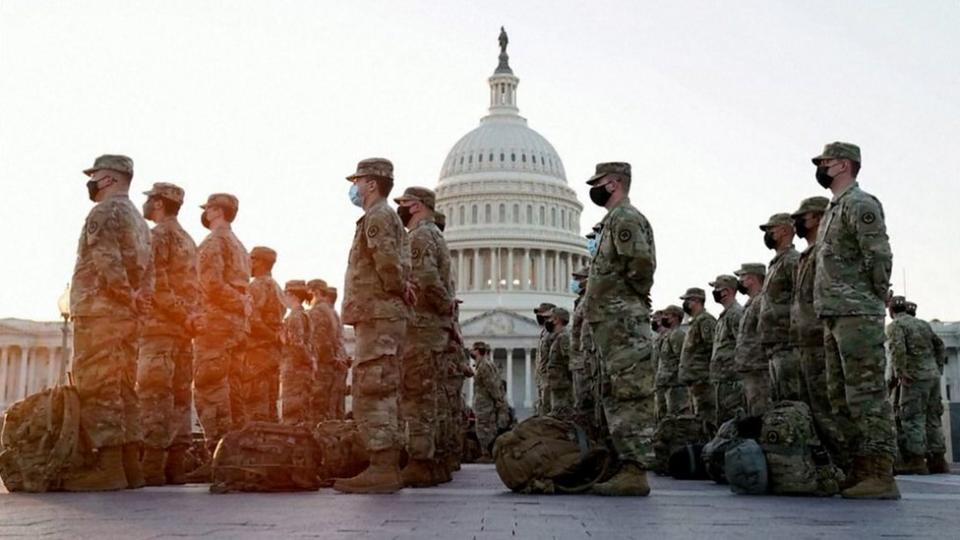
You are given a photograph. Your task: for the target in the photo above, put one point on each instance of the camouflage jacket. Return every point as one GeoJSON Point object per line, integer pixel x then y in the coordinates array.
{"type": "Point", "coordinates": [338, 343]}
{"type": "Point", "coordinates": [114, 262]}
{"type": "Point", "coordinates": [854, 258]}
{"type": "Point", "coordinates": [915, 351]}
{"type": "Point", "coordinates": [558, 359]}
{"type": "Point", "coordinates": [670, 347]}
{"type": "Point", "coordinates": [697, 347]}
{"type": "Point", "coordinates": [777, 297]}
{"type": "Point", "coordinates": [177, 288]}
{"type": "Point", "coordinates": [266, 319]}
{"type": "Point", "coordinates": [323, 333]}
{"type": "Point", "coordinates": [543, 350]}
{"type": "Point", "coordinates": [621, 272]}
{"type": "Point", "coordinates": [581, 340]}
{"type": "Point", "coordinates": [430, 272]}
{"type": "Point", "coordinates": [224, 267]}
{"type": "Point", "coordinates": [725, 344]}
{"type": "Point", "coordinates": [378, 269]}
{"type": "Point", "coordinates": [805, 329]}
{"type": "Point", "coordinates": [749, 355]}
{"type": "Point", "coordinates": [487, 395]}
{"type": "Point", "coordinates": [296, 345]}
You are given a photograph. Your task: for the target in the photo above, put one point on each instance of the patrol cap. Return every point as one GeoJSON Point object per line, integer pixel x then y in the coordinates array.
{"type": "Point", "coordinates": [673, 310]}
{"type": "Point", "coordinates": [166, 190]}
{"type": "Point", "coordinates": [582, 272]}
{"type": "Point", "coordinates": [441, 220]}
{"type": "Point", "coordinates": [225, 201]}
{"type": "Point", "coordinates": [694, 292]}
{"type": "Point", "coordinates": [610, 167]}
{"type": "Point", "coordinates": [817, 205]}
{"type": "Point", "coordinates": [379, 167]}
{"type": "Point", "coordinates": [544, 308]}
{"type": "Point", "coordinates": [724, 281]}
{"type": "Point", "coordinates": [480, 346]}
{"type": "Point", "coordinates": [776, 220]}
{"type": "Point", "coordinates": [561, 314]}
{"type": "Point", "coordinates": [898, 302]}
{"type": "Point", "coordinates": [113, 162]}
{"type": "Point", "coordinates": [757, 269]}
{"type": "Point", "coordinates": [317, 285]}
{"type": "Point", "coordinates": [295, 286]}
{"type": "Point", "coordinates": [838, 150]}
{"type": "Point", "coordinates": [264, 253]}
{"type": "Point", "coordinates": [419, 194]}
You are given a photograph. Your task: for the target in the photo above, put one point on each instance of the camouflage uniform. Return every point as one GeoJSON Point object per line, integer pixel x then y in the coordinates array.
{"type": "Point", "coordinates": [749, 360]}
{"type": "Point", "coordinates": [339, 393]}
{"type": "Point", "coordinates": [488, 399]}
{"type": "Point", "coordinates": [224, 269]}
{"type": "Point", "coordinates": [542, 405]}
{"type": "Point", "coordinates": [670, 347]}
{"type": "Point", "coordinates": [323, 343]}
{"type": "Point", "coordinates": [559, 378]}
{"type": "Point", "coordinates": [695, 364]}
{"type": "Point", "coordinates": [298, 366]}
{"type": "Point", "coordinates": [260, 376]}
{"type": "Point", "coordinates": [728, 393]}
{"type": "Point", "coordinates": [774, 324]}
{"type": "Point", "coordinates": [583, 363]}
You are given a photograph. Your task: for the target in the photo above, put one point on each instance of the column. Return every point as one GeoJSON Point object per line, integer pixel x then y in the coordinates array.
{"type": "Point", "coordinates": [4, 372]}
{"type": "Point", "coordinates": [510, 271]}
{"type": "Point", "coordinates": [510, 376]}
{"type": "Point", "coordinates": [525, 277]}
{"type": "Point", "coordinates": [52, 370]}
{"type": "Point", "coordinates": [494, 269]}
{"type": "Point", "coordinates": [22, 386]}
{"type": "Point", "coordinates": [542, 271]}
{"type": "Point", "coordinates": [461, 274]}
{"type": "Point", "coordinates": [527, 379]}
{"type": "Point", "coordinates": [558, 277]}
{"type": "Point", "coordinates": [476, 270]}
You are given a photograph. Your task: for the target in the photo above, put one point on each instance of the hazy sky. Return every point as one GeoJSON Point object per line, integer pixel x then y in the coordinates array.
{"type": "Point", "coordinates": [718, 105]}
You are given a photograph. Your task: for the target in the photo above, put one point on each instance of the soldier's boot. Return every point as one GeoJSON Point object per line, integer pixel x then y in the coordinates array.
{"type": "Point", "coordinates": [131, 466]}
{"type": "Point", "coordinates": [453, 462]}
{"type": "Point", "coordinates": [441, 473]}
{"type": "Point", "coordinates": [104, 475]}
{"type": "Point", "coordinates": [382, 476]}
{"type": "Point", "coordinates": [856, 472]}
{"type": "Point", "coordinates": [913, 464]}
{"type": "Point", "coordinates": [485, 457]}
{"type": "Point", "coordinates": [937, 464]}
{"type": "Point", "coordinates": [879, 484]}
{"type": "Point", "coordinates": [175, 468]}
{"type": "Point", "coordinates": [419, 473]}
{"type": "Point", "coordinates": [631, 481]}
{"type": "Point", "coordinates": [152, 466]}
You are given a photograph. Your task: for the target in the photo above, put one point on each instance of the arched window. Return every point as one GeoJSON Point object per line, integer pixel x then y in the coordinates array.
{"type": "Point", "coordinates": [513, 157]}
{"type": "Point", "coordinates": [461, 214]}
{"type": "Point", "coordinates": [543, 216]}
{"type": "Point", "coordinates": [553, 217]}
{"type": "Point", "coordinates": [470, 159]}
{"type": "Point", "coordinates": [516, 213]}
{"type": "Point", "coordinates": [491, 157]}
{"type": "Point", "coordinates": [501, 156]}
{"type": "Point", "coordinates": [563, 219]}
{"type": "Point", "coordinates": [487, 214]}
{"type": "Point", "coordinates": [529, 215]}
{"type": "Point", "coordinates": [474, 216]}
{"type": "Point", "coordinates": [523, 157]}
{"type": "Point", "coordinates": [480, 158]}
{"type": "Point", "coordinates": [502, 213]}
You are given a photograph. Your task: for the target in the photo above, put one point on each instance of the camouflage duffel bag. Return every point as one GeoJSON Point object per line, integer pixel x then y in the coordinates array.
{"type": "Point", "coordinates": [788, 440]}
{"type": "Point", "coordinates": [41, 440]}
{"type": "Point", "coordinates": [264, 456]}
{"type": "Point", "coordinates": [544, 454]}
{"type": "Point", "coordinates": [730, 433]}
{"type": "Point", "coordinates": [674, 433]}
{"type": "Point", "coordinates": [343, 450]}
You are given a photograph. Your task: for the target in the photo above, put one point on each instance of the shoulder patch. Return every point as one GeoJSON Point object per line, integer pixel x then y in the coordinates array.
{"type": "Point", "coordinates": [373, 231]}
{"type": "Point", "coordinates": [93, 226]}
{"type": "Point", "coordinates": [625, 235]}
{"type": "Point", "coordinates": [415, 253]}
{"type": "Point", "coordinates": [868, 218]}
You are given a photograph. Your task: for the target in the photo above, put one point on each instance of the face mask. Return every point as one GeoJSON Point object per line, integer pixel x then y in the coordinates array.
{"type": "Point", "coordinates": [355, 196]}
{"type": "Point", "coordinates": [717, 296]}
{"type": "Point", "coordinates": [592, 246]}
{"type": "Point", "coordinates": [823, 177]}
{"type": "Point", "coordinates": [686, 307]}
{"type": "Point", "coordinates": [655, 325]}
{"type": "Point", "coordinates": [549, 326]}
{"type": "Point", "coordinates": [768, 240]}
{"type": "Point", "coordinates": [405, 214]}
{"type": "Point", "coordinates": [599, 195]}
{"type": "Point", "coordinates": [575, 287]}
{"type": "Point", "coordinates": [93, 188]}
{"type": "Point", "coordinates": [666, 323]}
{"type": "Point", "coordinates": [801, 228]}
{"type": "Point", "coordinates": [540, 320]}
{"type": "Point", "coordinates": [741, 288]}
{"type": "Point", "coordinates": [205, 220]}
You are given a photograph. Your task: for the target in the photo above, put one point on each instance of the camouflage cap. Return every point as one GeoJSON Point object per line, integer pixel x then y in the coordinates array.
{"type": "Point", "coordinates": [776, 220]}
{"type": "Point", "coordinates": [543, 308]}
{"type": "Point", "coordinates": [419, 194]}
{"type": "Point", "coordinates": [317, 285]}
{"type": "Point", "coordinates": [378, 167]}
{"type": "Point", "coordinates": [898, 302]}
{"type": "Point", "coordinates": [694, 292]}
{"type": "Point", "coordinates": [480, 346]}
{"type": "Point", "coordinates": [673, 310]}
{"type": "Point", "coordinates": [610, 167]}
{"type": "Point", "coordinates": [817, 205]}
{"type": "Point", "coordinates": [295, 286]}
{"type": "Point", "coordinates": [724, 281]}
{"type": "Point", "coordinates": [561, 314]}
{"type": "Point", "coordinates": [222, 200]}
{"type": "Point", "coordinates": [757, 269]}
{"type": "Point", "coordinates": [263, 253]}
{"type": "Point", "coordinates": [166, 190]}
{"type": "Point", "coordinates": [838, 150]}
{"type": "Point", "coordinates": [113, 162]}
{"type": "Point", "coordinates": [582, 272]}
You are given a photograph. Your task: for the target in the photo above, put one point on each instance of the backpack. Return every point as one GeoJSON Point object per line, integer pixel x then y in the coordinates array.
{"type": "Point", "coordinates": [687, 463]}
{"type": "Point", "coordinates": [41, 440]}
{"type": "Point", "coordinates": [788, 440]}
{"type": "Point", "coordinates": [673, 433]}
{"type": "Point", "coordinates": [745, 467]}
{"type": "Point", "coordinates": [730, 433]}
{"type": "Point", "coordinates": [545, 454]}
{"type": "Point", "coordinates": [264, 456]}
{"type": "Point", "coordinates": [343, 450]}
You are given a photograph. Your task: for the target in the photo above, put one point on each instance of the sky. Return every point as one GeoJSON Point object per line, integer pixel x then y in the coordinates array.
{"type": "Point", "coordinates": [718, 106]}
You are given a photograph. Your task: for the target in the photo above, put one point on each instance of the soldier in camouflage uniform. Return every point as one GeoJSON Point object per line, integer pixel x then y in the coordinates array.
{"type": "Point", "coordinates": [583, 353]}
{"type": "Point", "coordinates": [559, 379]}
{"type": "Point", "coordinates": [542, 313]}
{"type": "Point", "coordinates": [748, 358]}
{"type": "Point", "coordinates": [165, 370]}
{"type": "Point", "coordinates": [676, 399]}
{"type": "Point", "coordinates": [695, 356]}
{"type": "Point", "coordinates": [224, 268]}
{"type": "Point", "coordinates": [377, 303]}
{"type": "Point", "coordinates": [850, 289]}
{"type": "Point", "coordinates": [426, 338]}
{"type": "Point", "coordinates": [618, 311]}
{"type": "Point", "coordinates": [660, 397]}
{"type": "Point", "coordinates": [111, 291]}
{"type": "Point", "coordinates": [775, 301]}
{"type": "Point", "coordinates": [488, 398]}
{"type": "Point", "coordinates": [298, 365]}
{"type": "Point", "coordinates": [260, 375]}
{"type": "Point", "coordinates": [458, 369]}
{"type": "Point", "coordinates": [917, 356]}
{"type": "Point", "coordinates": [911, 308]}
{"type": "Point", "coordinates": [323, 345]}
{"type": "Point", "coordinates": [339, 392]}
{"type": "Point", "coordinates": [728, 393]}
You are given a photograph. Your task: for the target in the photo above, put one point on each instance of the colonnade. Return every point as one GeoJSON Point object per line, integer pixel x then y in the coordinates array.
{"type": "Point", "coordinates": [507, 268]}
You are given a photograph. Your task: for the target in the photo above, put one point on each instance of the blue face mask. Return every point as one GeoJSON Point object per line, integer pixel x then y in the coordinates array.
{"type": "Point", "coordinates": [575, 287]}
{"type": "Point", "coordinates": [592, 246]}
{"type": "Point", "coordinates": [355, 197]}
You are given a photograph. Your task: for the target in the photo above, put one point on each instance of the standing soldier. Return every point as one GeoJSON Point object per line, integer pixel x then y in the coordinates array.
{"type": "Point", "coordinates": [850, 289]}
{"type": "Point", "coordinates": [542, 313]}
{"type": "Point", "coordinates": [559, 379]}
{"type": "Point", "coordinates": [488, 398]}
{"type": "Point", "coordinates": [261, 363]}
{"type": "Point", "coordinates": [323, 343]}
{"type": "Point", "coordinates": [695, 358]}
{"type": "Point", "coordinates": [298, 367]}
{"type": "Point", "coordinates": [339, 395]}
{"type": "Point", "coordinates": [749, 359]}
{"type": "Point", "coordinates": [618, 311]}
{"type": "Point", "coordinates": [660, 397]}
{"type": "Point", "coordinates": [676, 399]}
{"type": "Point", "coordinates": [728, 394]}
{"type": "Point", "coordinates": [224, 268]}
{"type": "Point", "coordinates": [111, 292]}
{"type": "Point", "coordinates": [775, 302]}
{"type": "Point", "coordinates": [936, 462]}
{"type": "Point", "coordinates": [583, 361]}
{"type": "Point", "coordinates": [376, 302]}
{"type": "Point", "coordinates": [166, 348]}
{"type": "Point", "coordinates": [426, 337]}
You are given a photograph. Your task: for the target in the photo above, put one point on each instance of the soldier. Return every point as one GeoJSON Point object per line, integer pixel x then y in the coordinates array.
{"type": "Point", "coordinates": [618, 311]}
{"type": "Point", "coordinates": [298, 367]}
{"type": "Point", "coordinates": [911, 309]}
{"type": "Point", "coordinates": [660, 399]}
{"type": "Point", "coordinates": [559, 379]}
{"type": "Point", "coordinates": [542, 313]}
{"type": "Point", "coordinates": [166, 349]}
{"type": "Point", "coordinates": [583, 352]}
{"type": "Point", "coordinates": [457, 369]}
{"type": "Point", "coordinates": [324, 348]}
{"type": "Point", "coordinates": [488, 398]}
{"type": "Point", "coordinates": [749, 360]}
{"type": "Point", "coordinates": [775, 301]}
{"type": "Point", "coordinates": [339, 392]}
{"type": "Point", "coordinates": [936, 462]}
{"type": "Point", "coordinates": [695, 356]}
{"type": "Point", "coordinates": [850, 289]}
{"type": "Point", "coordinates": [224, 268]}
{"type": "Point", "coordinates": [261, 363]}
{"type": "Point", "coordinates": [917, 356]}
{"type": "Point", "coordinates": [827, 405]}
{"type": "Point", "coordinates": [676, 399]}
{"type": "Point", "coordinates": [376, 302]}
{"type": "Point", "coordinates": [111, 291]}
{"type": "Point", "coordinates": [728, 393]}
{"type": "Point", "coordinates": [426, 338]}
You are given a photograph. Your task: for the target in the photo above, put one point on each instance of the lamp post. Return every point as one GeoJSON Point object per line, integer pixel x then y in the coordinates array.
{"type": "Point", "coordinates": [63, 303]}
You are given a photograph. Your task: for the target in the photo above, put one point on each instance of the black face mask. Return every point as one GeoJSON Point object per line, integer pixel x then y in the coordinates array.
{"type": "Point", "coordinates": [717, 296]}
{"type": "Point", "coordinates": [599, 195]}
{"type": "Point", "coordinates": [801, 228]}
{"type": "Point", "coordinates": [549, 326]}
{"type": "Point", "coordinates": [405, 214]}
{"type": "Point", "coordinates": [655, 325]}
{"type": "Point", "coordinates": [93, 188]}
{"type": "Point", "coordinates": [204, 220]}
{"type": "Point", "coordinates": [540, 320]}
{"type": "Point", "coordinates": [741, 288]}
{"type": "Point", "coordinates": [666, 323]}
{"type": "Point", "coordinates": [686, 307]}
{"type": "Point", "coordinates": [824, 178]}
{"type": "Point", "coordinates": [768, 240]}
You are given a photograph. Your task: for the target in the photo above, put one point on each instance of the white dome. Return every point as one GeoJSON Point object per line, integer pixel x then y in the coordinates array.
{"type": "Point", "coordinates": [503, 143]}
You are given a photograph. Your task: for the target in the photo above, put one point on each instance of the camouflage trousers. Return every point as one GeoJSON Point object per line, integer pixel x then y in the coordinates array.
{"type": "Point", "coordinates": [703, 400]}
{"type": "Point", "coordinates": [164, 376]}
{"type": "Point", "coordinates": [756, 391]}
{"type": "Point", "coordinates": [786, 382]}
{"type": "Point", "coordinates": [486, 414]}
{"type": "Point", "coordinates": [216, 386]}
{"type": "Point", "coordinates": [542, 405]}
{"type": "Point", "coordinates": [297, 390]}
{"type": "Point", "coordinates": [560, 389]}
{"type": "Point", "coordinates": [453, 387]}
{"type": "Point", "coordinates": [419, 367]}
{"type": "Point", "coordinates": [921, 408]}
{"type": "Point", "coordinates": [105, 370]}
{"type": "Point", "coordinates": [626, 385]}
{"type": "Point", "coordinates": [260, 383]}
{"type": "Point", "coordinates": [376, 407]}
{"type": "Point", "coordinates": [325, 392]}
{"type": "Point", "coordinates": [584, 389]}
{"type": "Point", "coordinates": [339, 396]}
{"type": "Point", "coordinates": [855, 353]}
{"type": "Point", "coordinates": [831, 422]}
{"type": "Point", "coordinates": [728, 396]}
{"type": "Point", "coordinates": [676, 400]}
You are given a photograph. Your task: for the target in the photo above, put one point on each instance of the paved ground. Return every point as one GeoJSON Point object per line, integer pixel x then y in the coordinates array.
{"type": "Point", "coordinates": [476, 505]}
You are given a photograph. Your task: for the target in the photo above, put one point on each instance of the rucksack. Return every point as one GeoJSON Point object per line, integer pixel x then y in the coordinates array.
{"type": "Point", "coordinates": [687, 463]}
{"type": "Point", "coordinates": [544, 454]}
{"type": "Point", "coordinates": [789, 440]}
{"type": "Point", "coordinates": [745, 468]}
{"type": "Point", "coordinates": [344, 453]}
{"type": "Point", "coordinates": [41, 440]}
{"type": "Point", "coordinates": [265, 456]}
{"type": "Point", "coordinates": [730, 433]}
{"type": "Point", "coordinates": [673, 433]}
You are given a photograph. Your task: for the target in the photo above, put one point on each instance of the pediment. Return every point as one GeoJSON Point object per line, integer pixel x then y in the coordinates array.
{"type": "Point", "coordinates": [499, 322]}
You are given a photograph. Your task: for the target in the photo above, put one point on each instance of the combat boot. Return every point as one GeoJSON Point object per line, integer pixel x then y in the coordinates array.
{"type": "Point", "coordinates": [104, 475]}
{"type": "Point", "coordinates": [631, 481]}
{"type": "Point", "coordinates": [453, 463]}
{"type": "Point", "coordinates": [418, 473]}
{"type": "Point", "coordinates": [856, 472]}
{"type": "Point", "coordinates": [203, 474]}
{"type": "Point", "coordinates": [382, 476]}
{"type": "Point", "coordinates": [152, 466]}
{"type": "Point", "coordinates": [879, 484]}
{"type": "Point", "coordinates": [442, 473]}
{"type": "Point", "coordinates": [485, 458]}
{"type": "Point", "coordinates": [175, 470]}
{"type": "Point", "coordinates": [913, 464]}
{"type": "Point", "coordinates": [131, 466]}
{"type": "Point", "coordinates": [937, 464]}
